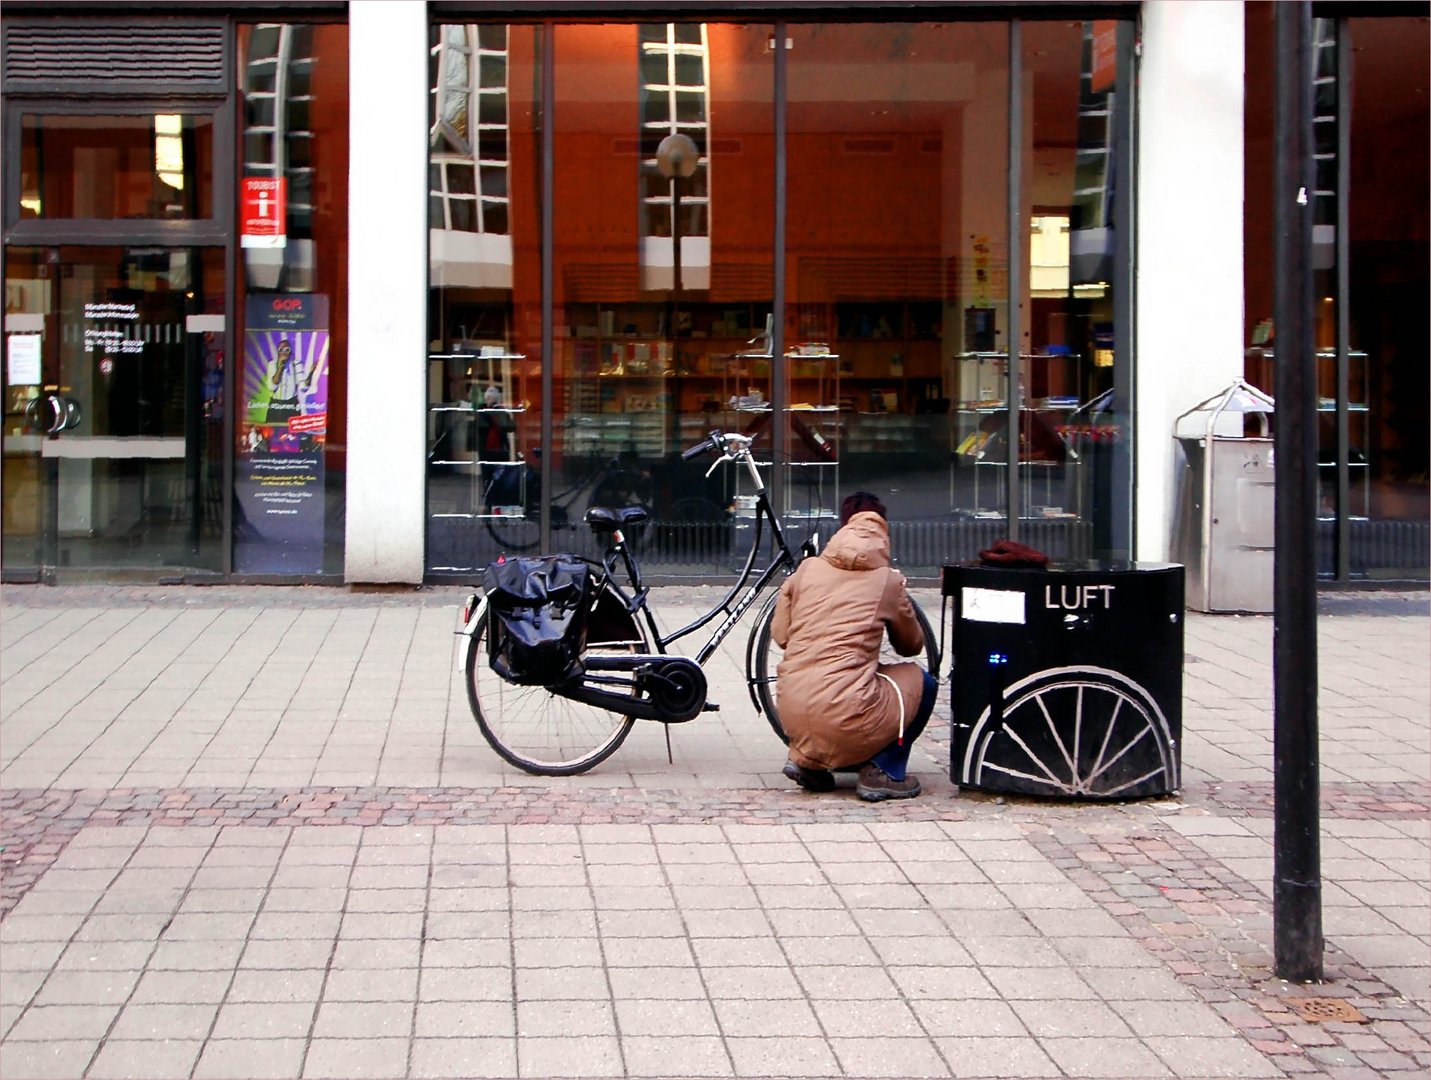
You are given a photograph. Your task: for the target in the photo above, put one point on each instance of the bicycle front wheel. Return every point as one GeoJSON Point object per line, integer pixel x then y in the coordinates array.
{"type": "Point", "coordinates": [763, 655]}
{"type": "Point", "coordinates": [541, 732]}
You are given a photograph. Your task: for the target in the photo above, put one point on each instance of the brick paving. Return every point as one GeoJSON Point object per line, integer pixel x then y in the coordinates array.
{"type": "Point", "coordinates": [643, 923]}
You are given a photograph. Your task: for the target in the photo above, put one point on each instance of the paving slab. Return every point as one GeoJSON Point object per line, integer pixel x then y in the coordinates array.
{"type": "Point", "coordinates": [255, 832]}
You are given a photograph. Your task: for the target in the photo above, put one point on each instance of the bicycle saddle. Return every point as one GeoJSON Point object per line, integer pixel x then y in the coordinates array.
{"type": "Point", "coordinates": [607, 519]}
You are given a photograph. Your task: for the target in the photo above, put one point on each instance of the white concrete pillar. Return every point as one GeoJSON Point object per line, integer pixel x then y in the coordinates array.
{"type": "Point", "coordinates": [387, 290]}
{"type": "Point", "coordinates": [1189, 258]}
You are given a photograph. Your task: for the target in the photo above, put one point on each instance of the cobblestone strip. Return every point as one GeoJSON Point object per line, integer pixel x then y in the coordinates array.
{"type": "Point", "coordinates": [35, 825]}
{"type": "Point", "coordinates": [1213, 931]}
{"type": "Point", "coordinates": [1350, 801]}
{"type": "Point", "coordinates": [34, 829]}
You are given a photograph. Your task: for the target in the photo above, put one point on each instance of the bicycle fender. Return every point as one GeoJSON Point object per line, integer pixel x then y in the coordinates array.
{"type": "Point", "coordinates": [475, 607]}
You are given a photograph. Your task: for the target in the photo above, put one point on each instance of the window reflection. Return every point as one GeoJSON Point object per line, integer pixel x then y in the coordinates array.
{"type": "Point", "coordinates": [674, 99]}
{"type": "Point", "coordinates": [483, 366]}
{"type": "Point", "coordinates": [469, 157]}
{"type": "Point", "coordinates": [898, 268]}
{"type": "Point", "coordinates": [897, 327]}
{"type": "Point", "coordinates": [1069, 425]}
{"type": "Point", "coordinates": [116, 166]}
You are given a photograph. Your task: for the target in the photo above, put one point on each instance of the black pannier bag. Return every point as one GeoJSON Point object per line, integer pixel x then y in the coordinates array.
{"type": "Point", "coordinates": [537, 629]}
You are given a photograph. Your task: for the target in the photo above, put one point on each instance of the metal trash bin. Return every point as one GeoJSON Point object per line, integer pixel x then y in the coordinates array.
{"type": "Point", "coordinates": [1066, 682]}
{"type": "Point", "coordinates": [1223, 525]}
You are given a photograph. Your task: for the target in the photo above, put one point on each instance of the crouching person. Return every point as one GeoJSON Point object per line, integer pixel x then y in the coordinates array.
{"type": "Point", "coordinates": [839, 705]}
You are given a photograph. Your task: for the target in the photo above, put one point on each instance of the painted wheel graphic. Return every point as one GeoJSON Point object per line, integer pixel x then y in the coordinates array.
{"type": "Point", "coordinates": [1074, 732]}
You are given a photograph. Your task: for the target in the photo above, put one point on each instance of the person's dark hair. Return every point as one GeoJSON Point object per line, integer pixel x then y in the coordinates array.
{"type": "Point", "coordinates": [859, 501]}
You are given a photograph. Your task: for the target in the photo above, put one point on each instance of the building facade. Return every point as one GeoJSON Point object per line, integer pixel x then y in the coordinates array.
{"type": "Point", "coordinates": [373, 292]}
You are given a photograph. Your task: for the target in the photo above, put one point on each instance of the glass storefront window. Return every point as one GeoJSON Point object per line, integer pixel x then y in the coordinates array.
{"type": "Point", "coordinates": [484, 383]}
{"type": "Point", "coordinates": [1370, 261]}
{"type": "Point", "coordinates": [1074, 423]}
{"type": "Point", "coordinates": [291, 337]}
{"type": "Point", "coordinates": [897, 259]}
{"type": "Point", "coordinates": [1389, 253]}
{"type": "Point", "coordinates": [153, 165]}
{"type": "Point", "coordinates": [660, 298]}
{"type": "Point", "coordinates": [886, 367]}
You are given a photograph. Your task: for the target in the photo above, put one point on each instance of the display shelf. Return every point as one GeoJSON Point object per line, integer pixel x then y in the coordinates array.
{"type": "Point", "coordinates": [891, 355]}
{"type": "Point", "coordinates": [623, 359]}
{"type": "Point", "coordinates": [475, 416]}
{"type": "Point", "coordinates": [815, 429]}
{"type": "Point", "coordinates": [1260, 363]}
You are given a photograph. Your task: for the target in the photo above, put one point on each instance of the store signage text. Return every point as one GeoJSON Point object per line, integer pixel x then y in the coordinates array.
{"type": "Point", "coordinates": [1078, 597]}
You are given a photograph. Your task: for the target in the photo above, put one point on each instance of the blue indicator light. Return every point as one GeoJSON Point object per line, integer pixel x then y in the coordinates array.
{"type": "Point", "coordinates": [998, 658]}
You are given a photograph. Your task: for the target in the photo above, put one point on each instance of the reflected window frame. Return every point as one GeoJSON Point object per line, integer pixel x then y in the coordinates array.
{"type": "Point", "coordinates": [460, 50]}
{"type": "Point", "coordinates": [278, 135]}
{"type": "Point", "coordinates": [668, 97]}
{"type": "Point", "coordinates": [208, 230]}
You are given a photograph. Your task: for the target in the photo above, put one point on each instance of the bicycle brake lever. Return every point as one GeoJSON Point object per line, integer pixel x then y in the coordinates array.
{"type": "Point", "coordinates": [716, 464]}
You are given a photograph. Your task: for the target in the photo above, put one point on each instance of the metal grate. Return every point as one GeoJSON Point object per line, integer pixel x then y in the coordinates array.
{"type": "Point", "coordinates": [1379, 548]}
{"type": "Point", "coordinates": [94, 56]}
{"type": "Point", "coordinates": [1327, 1010]}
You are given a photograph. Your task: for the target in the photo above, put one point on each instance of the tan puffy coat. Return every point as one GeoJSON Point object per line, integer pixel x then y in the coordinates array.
{"type": "Point", "coordinates": [831, 619]}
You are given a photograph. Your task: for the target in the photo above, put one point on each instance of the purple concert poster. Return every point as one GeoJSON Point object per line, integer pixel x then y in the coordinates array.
{"type": "Point", "coordinates": [283, 428]}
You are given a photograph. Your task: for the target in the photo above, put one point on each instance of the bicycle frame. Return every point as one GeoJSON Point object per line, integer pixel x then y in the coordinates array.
{"type": "Point", "coordinates": [734, 609]}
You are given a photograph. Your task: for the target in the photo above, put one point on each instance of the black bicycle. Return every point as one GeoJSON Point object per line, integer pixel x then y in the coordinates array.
{"type": "Point", "coordinates": [629, 671]}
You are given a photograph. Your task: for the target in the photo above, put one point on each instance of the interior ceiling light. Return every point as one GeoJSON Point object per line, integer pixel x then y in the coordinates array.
{"type": "Point", "coordinates": [169, 149]}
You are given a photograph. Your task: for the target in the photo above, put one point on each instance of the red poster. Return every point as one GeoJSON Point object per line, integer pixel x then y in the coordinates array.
{"type": "Point", "coordinates": [263, 211]}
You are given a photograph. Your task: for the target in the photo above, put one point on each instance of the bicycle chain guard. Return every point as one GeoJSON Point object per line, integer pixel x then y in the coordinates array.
{"type": "Point", "coordinates": [677, 688]}
{"type": "Point", "coordinates": [672, 688]}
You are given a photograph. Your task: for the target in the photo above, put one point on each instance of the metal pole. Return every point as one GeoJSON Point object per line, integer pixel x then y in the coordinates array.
{"type": "Point", "coordinates": [675, 243]}
{"type": "Point", "coordinates": [1125, 414]}
{"type": "Point", "coordinates": [547, 118]}
{"type": "Point", "coordinates": [1343, 302]}
{"type": "Point", "coordinates": [1013, 492]}
{"type": "Point", "coordinates": [674, 313]}
{"type": "Point", "coordinates": [1296, 886]}
{"type": "Point", "coordinates": [776, 345]}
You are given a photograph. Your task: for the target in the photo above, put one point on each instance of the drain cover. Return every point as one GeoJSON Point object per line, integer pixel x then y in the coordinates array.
{"type": "Point", "coordinates": [1327, 1010]}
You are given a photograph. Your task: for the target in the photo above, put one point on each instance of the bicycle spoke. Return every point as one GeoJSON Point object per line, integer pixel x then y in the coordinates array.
{"type": "Point", "coordinates": [1107, 735]}
{"type": "Point", "coordinates": [1134, 741]}
{"type": "Point", "coordinates": [1014, 736]}
{"type": "Point", "coordinates": [1058, 739]}
{"type": "Point", "coordinates": [1131, 784]}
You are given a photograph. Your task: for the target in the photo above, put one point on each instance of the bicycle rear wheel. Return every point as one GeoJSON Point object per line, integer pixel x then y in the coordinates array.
{"type": "Point", "coordinates": [763, 655]}
{"type": "Point", "coordinates": [541, 732]}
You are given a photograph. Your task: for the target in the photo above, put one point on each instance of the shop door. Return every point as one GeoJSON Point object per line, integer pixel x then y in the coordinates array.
{"type": "Point", "coordinates": [113, 447]}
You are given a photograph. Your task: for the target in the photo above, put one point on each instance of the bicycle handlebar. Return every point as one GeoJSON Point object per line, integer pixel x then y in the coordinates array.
{"type": "Point", "coordinates": [705, 446]}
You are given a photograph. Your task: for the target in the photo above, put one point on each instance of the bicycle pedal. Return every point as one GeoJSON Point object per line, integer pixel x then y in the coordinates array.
{"type": "Point", "coordinates": [711, 706]}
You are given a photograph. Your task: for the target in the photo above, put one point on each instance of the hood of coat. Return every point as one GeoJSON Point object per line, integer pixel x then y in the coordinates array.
{"type": "Point", "coordinates": [863, 543]}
